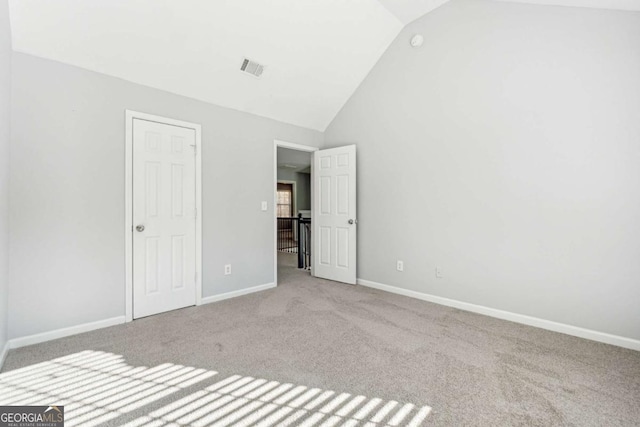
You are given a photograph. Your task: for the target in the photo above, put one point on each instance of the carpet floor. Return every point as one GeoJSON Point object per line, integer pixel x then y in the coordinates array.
{"type": "Point", "coordinates": [315, 352]}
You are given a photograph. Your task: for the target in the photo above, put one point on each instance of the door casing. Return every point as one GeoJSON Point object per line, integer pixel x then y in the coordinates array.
{"type": "Point", "coordinates": [128, 193]}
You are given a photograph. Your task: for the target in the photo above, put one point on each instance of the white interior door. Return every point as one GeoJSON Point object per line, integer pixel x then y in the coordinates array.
{"type": "Point", "coordinates": [164, 212]}
{"type": "Point", "coordinates": [334, 214]}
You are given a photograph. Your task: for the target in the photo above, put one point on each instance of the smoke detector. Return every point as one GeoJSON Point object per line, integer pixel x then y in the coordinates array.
{"type": "Point", "coordinates": [251, 67]}
{"type": "Point", "coordinates": [417, 40]}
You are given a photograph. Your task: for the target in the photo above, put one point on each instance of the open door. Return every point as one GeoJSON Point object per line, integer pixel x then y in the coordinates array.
{"type": "Point", "coordinates": [334, 214]}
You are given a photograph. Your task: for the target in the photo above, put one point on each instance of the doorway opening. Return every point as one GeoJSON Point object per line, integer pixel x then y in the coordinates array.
{"type": "Point", "coordinates": [328, 251]}
{"type": "Point", "coordinates": [293, 207]}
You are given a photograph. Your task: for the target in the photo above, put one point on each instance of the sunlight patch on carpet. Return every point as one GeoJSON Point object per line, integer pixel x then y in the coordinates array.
{"type": "Point", "coordinates": [247, 401]}
{"type": "Point", "coordinates": [97, 387]}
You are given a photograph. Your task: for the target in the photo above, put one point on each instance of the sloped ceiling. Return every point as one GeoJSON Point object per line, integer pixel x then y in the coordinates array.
{"type": "Point", "coordinates": [630, 5]}
{"type": "Point", "coordinates": [410, 10]}
{"type": "Point", "coordinates": [316, 52]}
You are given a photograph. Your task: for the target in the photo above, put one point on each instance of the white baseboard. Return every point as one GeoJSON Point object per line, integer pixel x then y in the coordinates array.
{"type": "Point", "coordinates": [86, 327]}
{"type": "Point", "coordinates": [233, 294]}
{"type": "Point", "coordinates": [3, 354]}
{"type": "Point", "coordinates": [513, 317]}
{"type": "Point", "coordinates": [64, 332]}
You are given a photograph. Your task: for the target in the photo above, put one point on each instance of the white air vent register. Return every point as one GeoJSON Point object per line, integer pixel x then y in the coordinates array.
{"type": "Point", "coordinates": [252, 67]}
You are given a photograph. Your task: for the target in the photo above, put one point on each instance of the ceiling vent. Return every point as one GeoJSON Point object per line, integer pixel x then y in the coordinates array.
{"type": "Point", "coordinates": [251, 67]}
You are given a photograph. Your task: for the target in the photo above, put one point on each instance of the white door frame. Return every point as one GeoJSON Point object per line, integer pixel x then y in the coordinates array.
{"type": "Point", "coordinates": [292, 146]}
{"type": "Point", "coordinates": [128, 203]}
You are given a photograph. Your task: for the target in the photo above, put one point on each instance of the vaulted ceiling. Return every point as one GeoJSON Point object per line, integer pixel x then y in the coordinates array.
{"type": "Point", "coordinates": [316, 52]}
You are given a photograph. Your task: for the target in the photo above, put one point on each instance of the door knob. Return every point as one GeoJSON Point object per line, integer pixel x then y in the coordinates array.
{"type": "Point", "coordinates": [352, 221]}
{"type": "Point", "coordinates": [140, 228]}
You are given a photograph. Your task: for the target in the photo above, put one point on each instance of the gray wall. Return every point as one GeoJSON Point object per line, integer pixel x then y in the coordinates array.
{"type": "Point", "coordinates": [303, 186]}
{"type": "Point", "coordinates": [505, 151]}
{"type": "Point", "coordinates": [5, 121]}
{"type": "Point", "coordinates": [67, 189]}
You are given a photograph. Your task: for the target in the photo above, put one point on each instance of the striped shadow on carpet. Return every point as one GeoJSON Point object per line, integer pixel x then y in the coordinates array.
{"type": "Point", "coordinates": [98, 387]}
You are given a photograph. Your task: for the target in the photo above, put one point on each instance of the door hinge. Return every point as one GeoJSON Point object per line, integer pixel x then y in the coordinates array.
{"type": "Point", "coordinates": [195, 148]}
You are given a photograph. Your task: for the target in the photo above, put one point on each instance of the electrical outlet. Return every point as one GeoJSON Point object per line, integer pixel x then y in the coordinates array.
{"type": "Point", "coordinates": [264, 206]}
{"type": "Point", "coordinates": [439, 272]}
{"type": "Point", "coordinates": [227, 269]}
{"type": "Point", "coordinates": [400, 265]}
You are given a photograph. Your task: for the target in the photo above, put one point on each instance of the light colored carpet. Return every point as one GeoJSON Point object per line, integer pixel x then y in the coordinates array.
{"type": "Point", "coordinates": [311, 338]}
